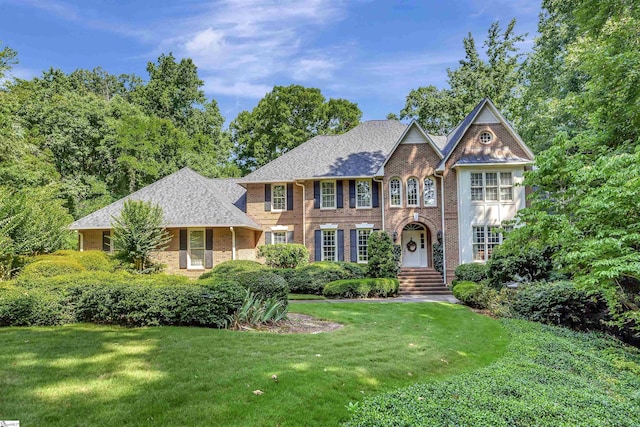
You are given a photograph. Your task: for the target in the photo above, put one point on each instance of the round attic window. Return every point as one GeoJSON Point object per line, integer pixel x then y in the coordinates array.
{"type": "Point", "coordinates": [486, 137]}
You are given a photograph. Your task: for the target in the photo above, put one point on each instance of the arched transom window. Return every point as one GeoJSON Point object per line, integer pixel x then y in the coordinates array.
{"type": "Point", "coordinates": [429, 192]}
{"type": "Point", "coordinates": [412, 192]}
{"type": "Point", "coordinates": [395, 192]}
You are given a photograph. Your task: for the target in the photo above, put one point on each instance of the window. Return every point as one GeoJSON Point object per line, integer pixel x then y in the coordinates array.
{"type": "Point", "coordinates": [395, 192]}
{"type": "Point", "coordinates": [412, 192]}
{"type": "Point", "coordinates": [106, 241]}
{"type": "Point", "coordinates": [363, 194]}
{"type": "Point", "coordinates": [278, 197]}
{"type": "Point", "coordinates": [363, 237]}
{"type": "Point", "coordinates": [196, 249]}
{"type": "Point", "coordinates": [278, 237]}
{"type": "Point", "coordinates": [429, 192]}
{"type": "Point", "coordinates": [328, 194]}
{"type": "Point", "coordinates": [491, 186]}
{"type": "Point", "coordinates": [485, 239]}
{"type": "Point", "coordinates": [329, 252]}
{"type": "Point", "coordinates": [486, 137]}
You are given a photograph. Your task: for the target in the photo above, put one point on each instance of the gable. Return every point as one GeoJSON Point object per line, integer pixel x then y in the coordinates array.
{"type": "Point", "coordinates": [414, 137]}
{"type": "Point", "coordinates": [485, 116]}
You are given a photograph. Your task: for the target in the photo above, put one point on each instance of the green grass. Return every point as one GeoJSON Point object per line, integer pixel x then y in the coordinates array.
{"type": "Point", "coordinates": [294, 297]}
{"type": "Point", "coordinates": [104, 375]}
{"type": "Point", "coordinates": [549, 377]}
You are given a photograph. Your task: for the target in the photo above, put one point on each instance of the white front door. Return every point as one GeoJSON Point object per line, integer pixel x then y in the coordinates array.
{"type": "Point", "coordinates": [414, 251]}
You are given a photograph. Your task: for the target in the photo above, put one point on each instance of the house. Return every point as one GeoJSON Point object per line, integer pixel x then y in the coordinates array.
{"type": "Point", "coordinates": [330, 192]}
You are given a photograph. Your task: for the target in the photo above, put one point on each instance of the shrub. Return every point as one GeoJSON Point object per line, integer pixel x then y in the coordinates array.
{"type": "Point", "coordinates": [50, 268]}
{"type": "Point", "coordinates": [382, 260]}
{"type": "Point", "coordinates": [255, 311]}
{"type": "Point", "coordinates": [149, 305]}
{"type": "Point", "coordinates": [284, 255]}
{"type": "Point", "coordinates": [230, 268]}
{"type": "Point", "coordinates": [264, 283]}
{"type": "Point", "coordinates": [361, 288]}
{"type": "Point", "coordinates": [311, 279]}
{"type": "Point", "coordinates": [471, 272]}
{"type": "Point", "coordinates": [90, 260]}
{"type": "Point", "coordinates": [561, 303]}
{"type": "Point", "coordinates": [464, 291]}
{"type": "Point", "coordinates": [438, 254]}
{"type": "Point", "coordinates": [97, 278]}
{"type": "Point", "coordinates": [529, 265]}
{"type": "Point", "coordinates": [32, 307]}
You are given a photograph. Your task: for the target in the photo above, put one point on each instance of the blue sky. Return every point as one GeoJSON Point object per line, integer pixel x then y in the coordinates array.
{"type": "Point", "coordinates": [370, 52]}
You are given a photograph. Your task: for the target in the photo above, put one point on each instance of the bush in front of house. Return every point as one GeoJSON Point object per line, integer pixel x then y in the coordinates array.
{"type": "Point", "coordinates": [383, 261]}
{"type": "Point", "coordinates": [263, 283]}
{"type": "Point", "coordinates": [50, 267]}
{"type": "Point", "coordinates": [64, 281]}
{"type": "Point", "coordinates": [311, 278]}
{"type": "Point", "coordinates": [32, 307]}
{"type": "Point", "coordinates": [561, 303]}
{"type": "Point", "coordinates": [89, 260]}
{"type": "Point", "coordinates": [362, 288]}
{"type": "Point", "coordinates": [524, 265]}
{"type": "Point", "coordinates": [464, 291]}
{"type": "Point", "coordinates": [471, 272]}
{"type": "Point", "coordinates": [228, 269]}
{"type": "Point", "coordinates": [284, 255]}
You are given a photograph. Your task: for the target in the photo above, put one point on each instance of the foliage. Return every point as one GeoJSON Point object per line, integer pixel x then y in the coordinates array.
{"type": "Point", "coordinates": [312, 278]}
{"type": "Point", "coordinates": [512, 264]}
{"type": "Point", "coordinates": [440, 110]}
{"type": "Point", "coordinates": [137, 232]}
{"type": "Point", "coordinates": [284, 255]}
{"type": "Point", "coordinates": [361, 288]}
{"type": "Point", "coordinates": [49, 268]}
{"type": "Point", "coordinates": [382, 261]}
{"type": "Point", "coordinates": [89, 260]}
{"type": "Point", "coordinates": [32, 307]}
{"type": "Point", "coordinates": [561, 303]}
{"type": "Point", "coordinates": [285, 118]}
{"type": "Point", "coordinates": [438, 257]}
{"type": "Point", "coordinates": [255, 311]}
{"type": "Point", "coordinates": [464, 291]}
{"type": "Point", "coordinates": [472, 272]}
{"type": "Point", "coordinates": [8, 57]}
{"type": "Point", "coordinates": [548, 377]}
{"type": "Point", "coordinates": [228, 269]}
{"type": "Point", "coordinates": [98, 278]}
{"type": "Point", "coordinates": [264, 284]}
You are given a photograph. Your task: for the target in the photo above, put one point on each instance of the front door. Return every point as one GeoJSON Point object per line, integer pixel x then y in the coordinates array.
{"type": "Point", "coordinates": [414, 249]}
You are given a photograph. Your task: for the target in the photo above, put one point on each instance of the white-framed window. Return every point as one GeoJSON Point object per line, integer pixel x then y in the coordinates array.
{"type": "Point", "coordinates": [395, 192]}
{"type": "Point", "coordinates": [485, 239]}
{"type": "Point", "coordinates": [278, 237]}
{"type": "Point", "coordinates": [485, 137]}
{"type": "Point", "coordinates": [327, 195]}
{"type": "Point", "coordinates": [363, 193]}
{"type": "Point", "coordinates": [329, 247]}
{"type": "Point", "coordinates": [429, 197]}
{"type": "Point", "coordinates": [413, 198]}
{"type": "Point", "coordinates": [363, 238]}
{"type": "Point", "coordinates": [196, 248]}
{"type": "Point", "coordinates": [491, 186]}
{"type": "Point", "coordinates": [279, 197]}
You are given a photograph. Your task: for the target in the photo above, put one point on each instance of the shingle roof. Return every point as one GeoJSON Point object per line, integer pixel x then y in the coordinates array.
{"type": "Point", "coordinates": [439, 140]}
{"type": "Point", "coordinates": [359, 152]}
{"type": "Point", "coordinates": [488, 156]}
{"type": "Point", "coordinates": [186, 198]}
{"type": "Point", "coordinates": [458, 132]}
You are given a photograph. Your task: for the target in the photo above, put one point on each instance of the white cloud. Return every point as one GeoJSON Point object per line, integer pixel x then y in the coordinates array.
{"type": "Point", "coordinates": [313, 68]}
{"type": "Point", "coordinates": [236, 88]}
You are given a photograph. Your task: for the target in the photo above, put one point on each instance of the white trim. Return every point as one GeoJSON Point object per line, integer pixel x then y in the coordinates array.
{"type": "Point", "coordinates": [273, 186]}
{"type": "Point", "coordinates": [493, 165]}
{"type": "Point", "coordinates": [335, 195]}
{"type": "Point", "coordinates": [435, 192]}
{"type": "Point", "coordinates": [273, 236]}
{"type": "Point", "coordinates": [400, 181]}
{"type": "Point", "coordinates": [328, 226]}
{"type": "Point", "coordinates": [335, 243]}
{"type": "Point", "coordinates": [80, 241]}
{"type": "Point", "coordinates": [358, 229]}
{"type": "Point", "coordinates": [233, 243]}
{"type": "Point", "coordinates": [417, 204]}
{"type": "Point", "coordinates": [369, 181]}
{"type": "Point", "coordinates": [204, 248]}
{"type": "Point", "coordinates": [364, 225]}
{"type": "Point", "coordinates": [280, 228]}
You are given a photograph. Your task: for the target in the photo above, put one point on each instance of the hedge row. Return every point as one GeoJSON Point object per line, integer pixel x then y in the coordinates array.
{"type": "Point", "coordinates": [361, 288]}
{"type": "Point", "coordinates": [312, 278]}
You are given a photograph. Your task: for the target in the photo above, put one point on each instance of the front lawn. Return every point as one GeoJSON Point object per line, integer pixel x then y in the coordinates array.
{"type": "Point", "coordinates": [104, 375]}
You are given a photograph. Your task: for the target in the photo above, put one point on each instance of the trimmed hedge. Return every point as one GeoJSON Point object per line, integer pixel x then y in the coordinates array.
{"type": "Point", "coordinates": [90, 260]}
{"type": "Point", "coordinates": [464, 291]}
{"type": "Point", "coordinates": [471, 272]}
{"type": "Point", "coordinates": [50, 268]}
{"type": "Point", "coordinates": [32, 307]}
{"type": "Point", "coordinates": [264, 284]}
{"type": "Point", "coordinates": [312, 278]}
{"type": "Point", "coordinates": [361, 288]}
{"type": "Point", "coordinates": [284, 255]}
{"type": "Point", "coordinates": [96, 278]}
{"type": "Point", "coordinates": [229, 268]}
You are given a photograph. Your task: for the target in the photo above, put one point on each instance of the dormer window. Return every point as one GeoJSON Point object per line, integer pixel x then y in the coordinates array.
{"type": "Point", "coordinates": [486, 137]}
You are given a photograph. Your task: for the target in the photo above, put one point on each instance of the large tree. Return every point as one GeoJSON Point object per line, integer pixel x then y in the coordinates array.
{"type": "Point", "coordinates": [496, 77]}
{"type": "Point", "coordinates": [286, 117]}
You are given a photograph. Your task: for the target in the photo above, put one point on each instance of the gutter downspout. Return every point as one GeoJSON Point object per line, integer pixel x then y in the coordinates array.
{"type": "Point", "coordinates": [382, 201]}
{"type": "Point", "coordinates": [444, 246]}
{"type": "Point", "coordinates": [304, 214]}
{"type": "Point", "coordinates": [233, 243]}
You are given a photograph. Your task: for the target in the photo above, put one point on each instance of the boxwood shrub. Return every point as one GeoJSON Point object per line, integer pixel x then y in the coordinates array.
{"type": "Point", "coordinates": [64, 281]}
{"type": "Point", "coordinates": [230, 268]}
{"type": "Point", "coordinates": [312, 278]}
{"type": "Point", "coordinates": [50, 268]}
{"type": "Point", "coordinates": [264, 284]}
{"type": "Point", "coordinates": [471, 272]}
{"type": "Point", "coordinates": [361, 288]}
{"type": "Point", "coordinates": [284, 255]}
{"type": "Point", "coordinates": [464, 291]}
{"type": "Point", "coordinates": [90, 260]}
{"type": "Point", "coordinates": [32, 307]}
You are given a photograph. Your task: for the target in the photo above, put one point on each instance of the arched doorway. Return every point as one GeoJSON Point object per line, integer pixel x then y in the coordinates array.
{"type": "Point", "coordinates": [415, 245]}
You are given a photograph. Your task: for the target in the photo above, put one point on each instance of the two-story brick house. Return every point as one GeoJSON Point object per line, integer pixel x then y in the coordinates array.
{"type": "Point", "coordinates": [330, 192]}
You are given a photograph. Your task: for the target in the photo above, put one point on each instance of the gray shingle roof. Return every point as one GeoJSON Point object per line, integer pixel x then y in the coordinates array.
{"type": "Point", "coordinates": [439, 140]}
{"type": "Point", "coordinates": [488, 156]}
{"type": "Point", "coordinates": [357, 153]}
{"type": "Point", "coordinates": [187, 199]}
{"type": "Point", "coordinates": [458, 131]}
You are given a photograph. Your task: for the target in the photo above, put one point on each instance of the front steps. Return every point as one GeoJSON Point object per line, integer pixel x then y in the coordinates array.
{"type": "Point", "coordinates": [421, 281]}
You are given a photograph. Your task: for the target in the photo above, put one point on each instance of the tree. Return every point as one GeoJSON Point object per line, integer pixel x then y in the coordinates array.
{"type": "Point", "coordinates": [138, 232]}
{"type": "Point", "coordinates": [8, 58]}
{"type": "Point", "coordinates": [285, 118]}
{"type": "Point", "coordinates": [382, 261]}
{"type": "Point", "coordinates": [496, 77]}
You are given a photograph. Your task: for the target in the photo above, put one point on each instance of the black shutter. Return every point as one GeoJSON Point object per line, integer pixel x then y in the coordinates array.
{"type": "Point", "coordinates": [208, 246]}
{"type": "Point", "coordinates": [318, 245]}
{"type": "Point", "coordinates": [290, 196]}
{"type": "Point", "coordinates": [106, 241]}
{"type": "Point", "coordinates": [376, 190]}
{"type": "Point", "coordinates": [316, 194]}
{"type": "Point", "coordinates": [352, 193]}
{"type": "Point", "coordinates": [340, 245]}
{"type": "Point", "coordinates": [183, 248]}
{"type": "Point", "coordinates": [267, 197]}
{"type": "Point", "coordinates": [267, 238]}
{"type": "Point", "coordinates": [339, 195]}
{"type": "Point", "coordinates": [289, 236]}
{"type": "Point", "coordinates": [353, 245]}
